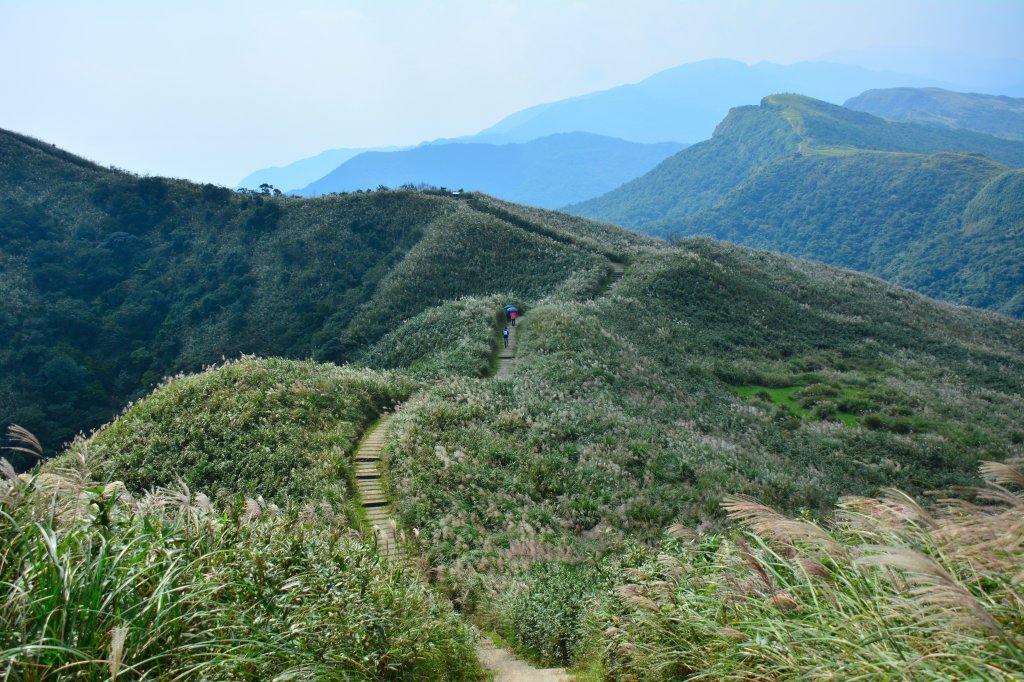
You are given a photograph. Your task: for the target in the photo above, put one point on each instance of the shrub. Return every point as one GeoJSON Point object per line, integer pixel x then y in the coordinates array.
{"type": "Point", "coordinates": [544, 610]}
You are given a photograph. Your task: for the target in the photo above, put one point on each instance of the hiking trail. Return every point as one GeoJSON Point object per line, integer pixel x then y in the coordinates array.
{"type": "Point", "coordinates": [368, 486]}
{"type": "Point", "coordinates": [507, 356]}
{"type": "Point", "coordinates": [505, 666]}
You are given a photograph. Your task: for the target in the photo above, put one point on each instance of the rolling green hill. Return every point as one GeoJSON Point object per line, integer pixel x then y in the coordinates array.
{"type": "Point", "coordinates": [112, 281]}
{"type": "Point", "coordinates": [898, 200]}
{"type": "Point", "coordinates": [991, 114]}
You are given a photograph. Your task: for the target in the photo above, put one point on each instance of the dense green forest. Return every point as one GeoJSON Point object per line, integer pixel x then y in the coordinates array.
{"type": "Point", "coordinates": [112, 281]}
{"type": "Point", "coordinates": [647, 494]}
{"type": "Point", "coordinates": [992, 114]}
{"type": "Point", "coordinates": [935, 210]}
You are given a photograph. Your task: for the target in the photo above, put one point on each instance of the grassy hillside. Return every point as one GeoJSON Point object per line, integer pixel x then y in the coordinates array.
{"type": "Point", "coordinates": [733, 397]}
{"type": "Point", "coordinates": [845, 188]}
{"type": "Point", "coordinates": [118, 564]}
{"type": "Point", "coordinates": [990, 114]}
{"type": "Point", "coordinates": [551, 171]}
{"type": "Point", "coordinates": [708, 371]}
{"type": "Point", "coordinates": [112, 281]}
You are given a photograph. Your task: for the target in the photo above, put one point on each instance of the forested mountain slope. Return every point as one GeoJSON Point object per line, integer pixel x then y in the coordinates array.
{"type": "Point", "coordinates": [992, 114]}
{"type": "Point", "coordinates": [936, 210]}
{"type": "Point", "coordinates": [111, 281]}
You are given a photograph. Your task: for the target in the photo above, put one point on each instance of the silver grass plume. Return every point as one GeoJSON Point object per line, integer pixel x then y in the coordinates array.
{"type": "Point", "coordinates": [935, 592]}
{"type": "Point", "coordinates": [117, 640]}
{"type": "Point", "coordinates": [769, 523]}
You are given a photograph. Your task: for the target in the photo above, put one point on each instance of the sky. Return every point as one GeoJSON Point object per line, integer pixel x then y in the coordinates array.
{"type": "Point", "coordinates": [211, 90]}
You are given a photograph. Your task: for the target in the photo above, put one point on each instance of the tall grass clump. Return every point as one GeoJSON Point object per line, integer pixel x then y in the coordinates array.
{"type": "Point", "coordinates": [457, 338]}
{"type": "Point", "coordinates": [98, 584]}
{"type": "Point", "coordinates": [283, 429]}
{"type": "Point", "coordinates": [887, 589]}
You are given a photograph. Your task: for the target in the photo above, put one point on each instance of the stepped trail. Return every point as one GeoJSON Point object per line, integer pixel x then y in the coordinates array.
{"type": "Point", "coordinates": [378, 512]}
{"type": "Point", "coordinates": [505, 666]}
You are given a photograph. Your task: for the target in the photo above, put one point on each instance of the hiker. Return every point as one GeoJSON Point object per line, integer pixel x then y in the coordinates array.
{"type": "Point", "coordinates": [512, 316]}
{"type": "Point", "coordinates": [504, 335]}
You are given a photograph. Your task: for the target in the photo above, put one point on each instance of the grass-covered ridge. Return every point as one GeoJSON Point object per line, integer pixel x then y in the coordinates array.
{"type": "Point", "coordinates": [898, 200]}
{"type": "Point", "coordinates": [622, 418]}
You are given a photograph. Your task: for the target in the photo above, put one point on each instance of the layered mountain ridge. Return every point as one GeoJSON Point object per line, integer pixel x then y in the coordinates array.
{"type": "Point", "coordinates": [899, 200]}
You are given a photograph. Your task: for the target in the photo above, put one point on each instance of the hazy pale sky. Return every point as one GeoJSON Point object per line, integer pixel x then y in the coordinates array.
{"type": "Point", "coordinates": [212, 90]}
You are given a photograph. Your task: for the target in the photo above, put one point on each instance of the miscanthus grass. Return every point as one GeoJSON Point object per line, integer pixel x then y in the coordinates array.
{"type": "Point", "coordinates": [98, 584]}
{"type": "Point", "coordinates": [888, 589]}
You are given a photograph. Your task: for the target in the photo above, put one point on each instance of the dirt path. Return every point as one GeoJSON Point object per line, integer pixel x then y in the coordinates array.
{"type": "Point", "coordinates": [505, 666]}
{"type": "Point", "coordinates": [507, 356]}
{"type": "Point", "coordinates": [508, 668]}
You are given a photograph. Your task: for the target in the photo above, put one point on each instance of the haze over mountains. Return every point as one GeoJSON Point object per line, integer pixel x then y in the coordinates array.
{"type": "Point", "coordinates": [682, 104]}
{"type": "Point", "coordinates": [992, 114]}
{"type": "Point", "coordinates": [548, 172]}
{"type": "Point", "coordinates": [304, 171]}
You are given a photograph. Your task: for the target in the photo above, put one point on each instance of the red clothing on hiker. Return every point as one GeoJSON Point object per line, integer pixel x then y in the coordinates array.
{"type": "Point", "coordinates": [512, 316]}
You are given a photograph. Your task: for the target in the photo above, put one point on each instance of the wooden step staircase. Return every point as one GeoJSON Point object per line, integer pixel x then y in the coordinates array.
{"type": "Point", "coordinates": [371, 493]}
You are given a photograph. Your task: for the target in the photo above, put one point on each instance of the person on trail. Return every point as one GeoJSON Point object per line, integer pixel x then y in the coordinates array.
{"type": "Point", "coordinates": [512, 316]}
{"type": "Point", "coordinates": [504, 335]}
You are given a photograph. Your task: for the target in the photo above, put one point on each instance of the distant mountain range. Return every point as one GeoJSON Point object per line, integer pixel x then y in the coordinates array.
{"type": "Point", "coordinates": [685, 103]}
{"type": "Point", "coordinates": [993, 114]}
{"type": "Point", "coordinates": [681, 104]}
{"type": "Point", "coordinates": [962, 72]}
{"type": "Point", "coordinates": [549, 172]}
{"type": "Point", "coordinates": [304, 171]}
{"type": "Point", "coordinates": [940, 211]}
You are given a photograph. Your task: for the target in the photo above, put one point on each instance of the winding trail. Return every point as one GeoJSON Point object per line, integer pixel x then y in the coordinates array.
{"type": "Point", "coordinates": [499, 661]}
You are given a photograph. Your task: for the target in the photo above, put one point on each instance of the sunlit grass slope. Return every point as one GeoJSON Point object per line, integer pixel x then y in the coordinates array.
{"type": "Point", "coordinates": [623, 417]}
{"type": "Point", "coordinates": [283, 429]}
